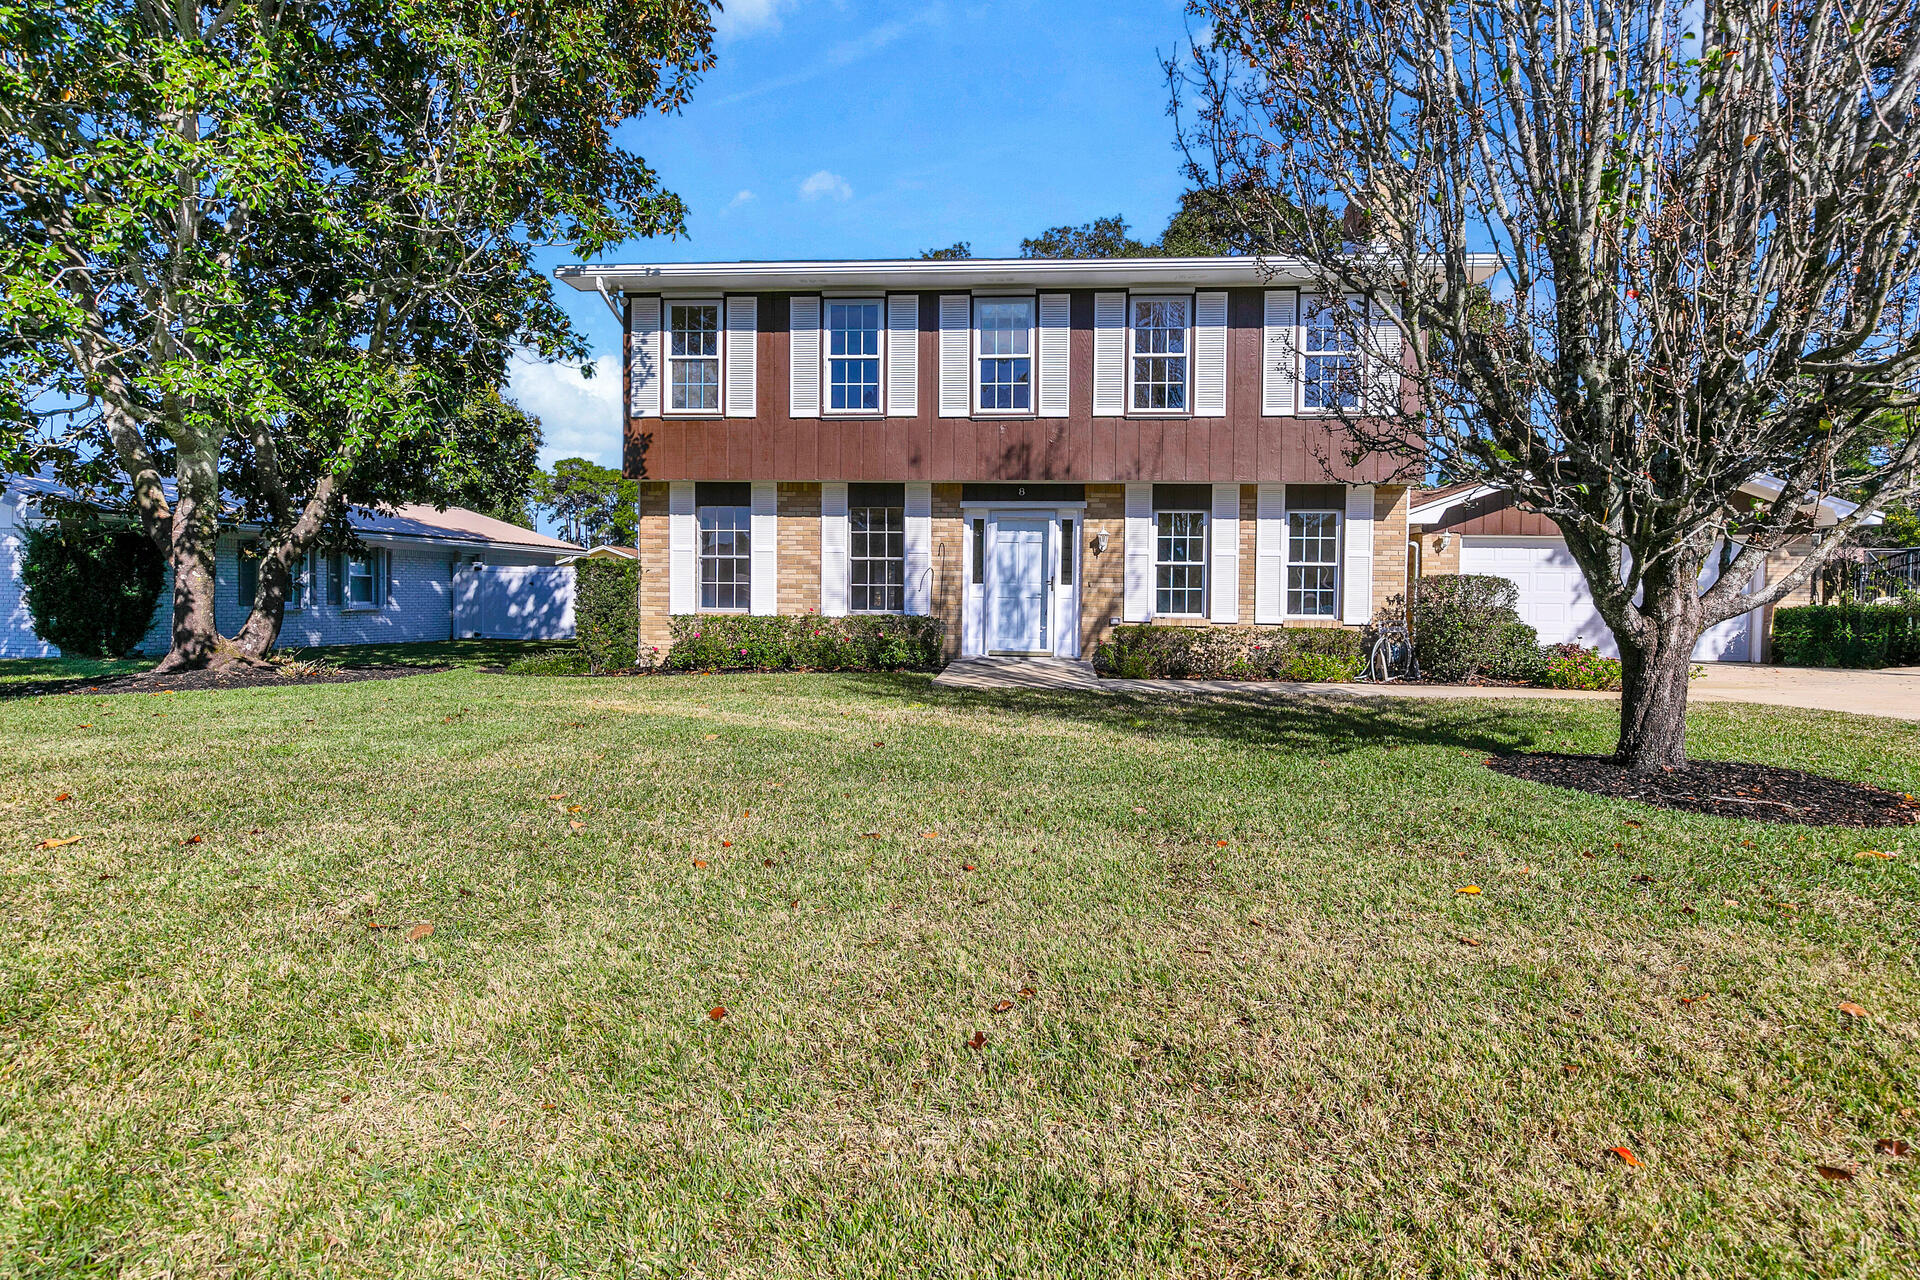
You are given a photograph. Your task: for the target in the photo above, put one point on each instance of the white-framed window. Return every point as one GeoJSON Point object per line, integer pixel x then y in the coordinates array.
{"type": "Point", "coordinates": [1180, 563]}
{"type": "Point", "coordinates": [726, 563]}
{"type": "Point", "coordinates": [247, 585]}
{"type": "Point", "coordinates": [1313, 564]}
{"type": "Point", "coordinates": [1329, 358]}
{"type": "Point", "coordinates": [693, 357]}
{"type": "Point", "coordinates": [852, 354]}
{"type": "Point", "coordinates": [877, 574]}
{"type": "Point", "coordinates": [1003, 355]}
{"type": "Point", "coordinates": [1158, 334]}
{"type": "Point", "coordinates": [362, 582]}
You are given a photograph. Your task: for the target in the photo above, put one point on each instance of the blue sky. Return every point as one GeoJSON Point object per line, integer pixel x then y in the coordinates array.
{"type": "Point", "coordinates": [868, 130]}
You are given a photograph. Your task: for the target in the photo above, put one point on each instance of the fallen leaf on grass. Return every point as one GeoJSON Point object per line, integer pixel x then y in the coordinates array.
{"type": "Point", "coordinates": [1472, 942]}
{"type": "Point", "coordinates": [1468, 888]}
{"type": "Point", "coordinates": [55, 844]}
{"type": "Point", "coordinates": [718, 1012]}
{"type": "Point", "coordinates": [1891, 1147]}
{"type": "Point", "coordinates": [1139, 808]}
{"type": "Point", "coordinates": [712, 737]}
{"type": "Point", "coordinates": [967, 866]}
{"type": "Point", "coordinates": [1570, 1068]}
{"type": "Point", "coordinates": [1834, 1173]}
{"type": "Point", "coordinates": [699, 862]}
{"type": "Point", "coordinates": [1026, 993]}
{"type": "Point", "coordinates": [929, 835]}
{"type": "Point", "coordinates": [766, 862]}
{"type": "Point", "coordinates": [1851, 1009]}
{"type": "Point", "coordinates": [419, 931]}
{"type": "Point", "coordinates": [726, 844]}
{"type": "Point", "coordinates": [1003, 1006]}
{"type": "Point", "coordinates": [88, 725]}
{"type": "Point", "coordinates": [978, 1042]}
{"type": "Point", "coordinates": [1627, 1157]}
{"type": "Point", "coordinates": [558, 795]}
{"type": "Point", "coordinates": [1872, 853]}
{"type": "Point", "coordinates": [193, 840]}
{"type": "Point", "coordinates": [1692, 999]}
{"type": "Point", "coordinates": [1631, 823]}
{"type": "Point", "coordinates": [577, 825]}
{"type": "Point", "coordinates": [63, 796]}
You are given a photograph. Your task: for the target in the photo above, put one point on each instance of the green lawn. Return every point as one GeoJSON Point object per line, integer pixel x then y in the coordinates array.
{"type": "Point", "coordinates": [441, 653]}
{"type": "Point", "coordinates": [1231, 1026]}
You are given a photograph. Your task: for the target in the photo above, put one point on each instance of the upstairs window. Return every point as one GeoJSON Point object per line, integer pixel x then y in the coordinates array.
{"type": "Point", "coordinates": [1003, 331]}
{"type": "Point", "coordinates": [1330, 369]}
{"type": "Point", "coordinates": [1313, 558]}
{"type": "Point", "coordinates": [1160, 352]}
{"type": "Point", "coordinates": [693, 357]}
{"type": "Point", "coordinates": [853, 355]}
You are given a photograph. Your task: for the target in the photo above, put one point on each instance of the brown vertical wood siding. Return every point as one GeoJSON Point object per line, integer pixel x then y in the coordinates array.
{"type": "Point", "coordinates": [1243, 446]}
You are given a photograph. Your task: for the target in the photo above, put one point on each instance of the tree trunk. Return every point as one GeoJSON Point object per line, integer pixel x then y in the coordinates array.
{"type": "Point", "coordinates": [262, 629]}
{"type": "Point", "coordinates": [195, 530]}
{"type": "Point", "coordinates": [1653, 697]}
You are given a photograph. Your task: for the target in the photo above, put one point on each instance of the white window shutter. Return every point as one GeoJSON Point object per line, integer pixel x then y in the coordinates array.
{"type": "Point", "coordinates": [1270, 553]}
{"type": "Point", "coordinates": [956, 353]}
{"type": "Point", "coordinates": [1109, 355]}
{"type": "Point", "coordinates": [1357, 593]}
{"type": "Point", "coordinates": [1210, 355]}
{"type": "Point", "coordinates": [743, 333]}
{"type": "Point", "coordinates": [763, 590]}
{"type": "Point", "coordinates": [903, 355]}
{"type": "Point", "coordinates": [918, 542]}
{"type": "Point", "coordinates": [836, 549]}
{"type": "Point", "coordinates": [683, 562]}
{"type": "Point", "coordinates": [1279, 353]}
{"type": "Point", "coordinates": [803, 356]}
{"type": "Point", "coordinates": [1056, 337]}
{"type": "Point", "coordinates": [1138, 602]}
{"type": "Point", "coordinates": [643, 329]}
{"type": "Point", "coordinates": [1223, 575]}
{"type": "Point", "coordinates": [1384, 373]}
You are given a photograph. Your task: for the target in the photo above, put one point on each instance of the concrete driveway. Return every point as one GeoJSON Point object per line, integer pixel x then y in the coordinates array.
{"type": "Point", "coordinates": [1893, 693]}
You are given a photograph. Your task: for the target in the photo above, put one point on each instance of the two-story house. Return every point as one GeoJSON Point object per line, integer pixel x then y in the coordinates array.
{"type": "Point", "coordinates": [1032, 450]}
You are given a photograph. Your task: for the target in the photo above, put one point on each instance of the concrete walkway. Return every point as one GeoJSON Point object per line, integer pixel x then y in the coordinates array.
{"type": "Point", "coordinates": [1892, 693]}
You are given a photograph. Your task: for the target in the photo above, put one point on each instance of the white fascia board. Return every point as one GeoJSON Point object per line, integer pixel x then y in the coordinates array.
{"type": "Point", "coordinates": [1428, 512]}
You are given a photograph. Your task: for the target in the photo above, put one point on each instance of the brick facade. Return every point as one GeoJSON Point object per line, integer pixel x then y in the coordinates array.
{"type": "Point", "coordinates": [1390, 506]}
{"type": "Point", "coordinates": [655, 631]}
{"type": "Point", "coordinates": [799, 548]}
{"type": "Point", "coordinates": [1103, 586]}
{"type": "Point", "coordinates": [948, 564]}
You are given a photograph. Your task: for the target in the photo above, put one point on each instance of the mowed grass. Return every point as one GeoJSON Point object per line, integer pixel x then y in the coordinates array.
{"type": "Point", "coordinates": [1218, 954]}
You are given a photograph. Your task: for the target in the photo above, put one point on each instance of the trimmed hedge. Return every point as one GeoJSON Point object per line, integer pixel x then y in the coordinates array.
{"type": "Point", "coordinates": [806, 642]}
{"type": "Point", "coordinates": [1145, 652]}
{"type": "Point", "coordinates": [1847, 635]}
{"type": "Point", "coordinates": [1465, 626]}
{"type": "Point", "coordinates": [92, 586]}
{"type": "Point", "coordinates": [606, 613]}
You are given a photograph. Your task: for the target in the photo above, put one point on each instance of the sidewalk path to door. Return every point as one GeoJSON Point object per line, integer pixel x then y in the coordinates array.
{"type": "Point", "coordinates": [1894, 693]}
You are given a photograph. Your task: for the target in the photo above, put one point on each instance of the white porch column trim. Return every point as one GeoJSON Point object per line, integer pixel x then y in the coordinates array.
{"type": "Point", "coordinates": [1270, 552]}
{"type": "Point", "coordinates": [1139, 553]}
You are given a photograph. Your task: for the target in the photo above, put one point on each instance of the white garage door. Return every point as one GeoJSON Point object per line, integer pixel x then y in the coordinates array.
{"type": "Point", "coordinates": [1554, 599]}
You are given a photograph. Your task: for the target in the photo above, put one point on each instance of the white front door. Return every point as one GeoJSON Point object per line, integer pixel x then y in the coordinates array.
{"type": "Point", "coordinates": [1017, 585]}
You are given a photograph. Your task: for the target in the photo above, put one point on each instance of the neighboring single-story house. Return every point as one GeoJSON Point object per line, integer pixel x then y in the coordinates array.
{"type": "Point", "coordinates": [424, 575]}
{"type": "Point", "coordinates": [1476, 528]}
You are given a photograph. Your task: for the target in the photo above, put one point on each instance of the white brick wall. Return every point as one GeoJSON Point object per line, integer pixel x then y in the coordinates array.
{"type": "Point", "coordinates": [16, 625]}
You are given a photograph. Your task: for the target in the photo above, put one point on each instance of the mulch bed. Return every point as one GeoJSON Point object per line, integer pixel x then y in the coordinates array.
{"type": "Point", "coordinates": [193, 681]}
{"type": "Point", "coordinates": [1724, 788]}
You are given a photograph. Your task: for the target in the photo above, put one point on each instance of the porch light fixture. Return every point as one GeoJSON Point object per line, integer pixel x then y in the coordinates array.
{"type": "Point", "coordinates": [1100, 543]}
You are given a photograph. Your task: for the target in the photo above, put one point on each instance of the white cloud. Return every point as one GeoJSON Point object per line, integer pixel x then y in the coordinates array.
{"type": "Point", "coordinates": [580, 416]}
{"type": "Point", "coordinates": [844, 54]}
{"type": "Point", "coordinates": [746, 17]}
{"type": "Point", "coordinates": [740, 198]}
{"type": "Point", "coordinates": [825, 183]}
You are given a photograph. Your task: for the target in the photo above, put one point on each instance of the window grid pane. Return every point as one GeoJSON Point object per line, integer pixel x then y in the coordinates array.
{"type": "Point", "coordinates": [1160, 353]}
{"type": "Point", "coordinates": [693, 356]}
{"type": "Point", "coordinates": [726, 564]}
{"type": "Point", "coordinates": [1006, 363]}
{"type": "Point", "coordinates": [853, 356]}
{"type": "Point", "coordinates": [359, 580]}
{"type": "Point", "coordinates": [1180, 562]}
{"type": "Point", "coordinates": [878, 570]}
{"type": "Point", "coordinates": [1330, 374]}
{"type": "Point", "coordinates": [1313, 550]}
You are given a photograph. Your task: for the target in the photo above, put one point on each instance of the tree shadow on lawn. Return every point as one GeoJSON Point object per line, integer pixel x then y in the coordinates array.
{"type": "Point", "coordinates": [1304, 723]}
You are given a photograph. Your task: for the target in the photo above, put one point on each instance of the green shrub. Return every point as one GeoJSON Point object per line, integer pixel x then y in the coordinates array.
{"type": "Point", "coordinates": [91, 585]}
{"type": "Point", "coordinates": [606, 613]}
{"type": "Point", "coordinates": [1465, 627]}
{"type": "Point", "coordinates": [806, 642]}
{"type": "Point", "coordinates": [560, 662]}
{"type": "Point", "coordinates": [1146, 652]}
{"type": "Point", "coordinates": [1572, 666]}
{"type": "Point", "coordinates": [1847, 635]}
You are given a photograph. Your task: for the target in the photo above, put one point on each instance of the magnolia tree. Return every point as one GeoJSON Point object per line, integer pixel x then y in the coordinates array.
{"type": "Point", "coordinates": [275, 251]}
{"type": "Point", "coordinates": [1619, 259]}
